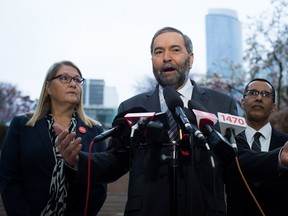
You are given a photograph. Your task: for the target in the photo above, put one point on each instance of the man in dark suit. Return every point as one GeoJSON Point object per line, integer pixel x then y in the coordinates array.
{"type": "Point", "coordinates": [199, 186]}
{"type": "Point", "coordinates": [270, 191]}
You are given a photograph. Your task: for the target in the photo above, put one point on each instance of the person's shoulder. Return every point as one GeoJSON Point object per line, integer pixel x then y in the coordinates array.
{"type": "Point", "coordinates": [23, 117]}
{"type": "Point", "coordinates": [209, 91]}
{"type": "Point", "coordinates": [279, 133]}
{"type": "Point", "coordinates": [139, 96]}
{"type": "Point", "coordinates": [20, 119]}
{"type": "Point", "coordinates": [98, 127]}
{"type": "Point", "coordinates": [136, 100]}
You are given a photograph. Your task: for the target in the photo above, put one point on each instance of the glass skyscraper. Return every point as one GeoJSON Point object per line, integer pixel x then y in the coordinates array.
{"type": "Point", "coordinates": [223, 41]}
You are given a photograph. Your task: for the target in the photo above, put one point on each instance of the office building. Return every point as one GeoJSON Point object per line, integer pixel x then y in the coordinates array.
{"type": "Point", "coordinates": [100, 101]}
{"type": "Point", "coordinates": [223, 41]}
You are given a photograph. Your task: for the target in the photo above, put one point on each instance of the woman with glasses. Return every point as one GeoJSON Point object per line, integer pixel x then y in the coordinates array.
{"type": "Point", "coordinates": [33, 178]}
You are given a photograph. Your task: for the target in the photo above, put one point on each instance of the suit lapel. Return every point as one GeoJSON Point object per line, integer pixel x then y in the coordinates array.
{"type": "Point", "coordinates": [199, 94]}
{"type": "Point", "coordinates": [152, 103]}
{"type": "Point", "coordinates": [42, 130]}
{"type": "Point", "coordinates": [244, 144]}
{"type": "Point", "coordinates": [277, 140]}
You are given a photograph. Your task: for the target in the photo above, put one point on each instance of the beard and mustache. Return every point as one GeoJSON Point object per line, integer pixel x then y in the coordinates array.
{"type": "Point", "coordinates": [174, 80]}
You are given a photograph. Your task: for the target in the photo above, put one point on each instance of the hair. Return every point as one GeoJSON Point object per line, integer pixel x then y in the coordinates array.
{"type": "Point", "coordinates": [44, 103]}
{"type": "Point", "coordinates": [187, 40]}
{"type": "Point", "coordinates": [261, 80]}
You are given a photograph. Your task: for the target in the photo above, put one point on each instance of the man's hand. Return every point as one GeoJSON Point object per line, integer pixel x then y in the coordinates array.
{"type": "Point", "coordinates": [68, 146]}
{"type": "Point", "coordinates": [284, 155]}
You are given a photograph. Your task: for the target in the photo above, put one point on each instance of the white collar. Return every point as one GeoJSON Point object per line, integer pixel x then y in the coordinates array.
{"type": "Point", "coordinates": [185, 92]}
{"type": "Point", "coordinates": [266, 131]}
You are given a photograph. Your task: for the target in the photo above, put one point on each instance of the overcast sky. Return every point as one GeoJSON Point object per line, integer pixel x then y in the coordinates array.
{"type": "Point", "coordinates": [107, 39]}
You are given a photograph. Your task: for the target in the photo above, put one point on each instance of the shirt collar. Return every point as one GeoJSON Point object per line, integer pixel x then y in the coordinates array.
{"type": "Point", "coordinates": [186, 90]}
{"type": "Point", "coordinates": [185, 93]}
{"type": "Point", "coordinates": [266, 131]}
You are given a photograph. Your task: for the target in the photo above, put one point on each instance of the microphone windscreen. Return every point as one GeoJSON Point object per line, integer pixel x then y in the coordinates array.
{"type": "Point", "coordinates": [203, 122]}
{"type": "Point", "coordinates": [192, 104]}
{"type": "Point", "coordinates": [172, 98]}
{"type": "Point", "coordinates": [124, 128]}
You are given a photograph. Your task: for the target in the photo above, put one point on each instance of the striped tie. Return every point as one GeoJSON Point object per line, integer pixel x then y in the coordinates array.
{"type": "Point", "coordinates": [256, 145]}
{"type": "Point", "coordinates": [173, 132]}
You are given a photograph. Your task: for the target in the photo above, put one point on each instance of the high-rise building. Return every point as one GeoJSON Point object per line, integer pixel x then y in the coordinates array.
{"type": "Point", "coordinates": [93, 92]}
{"type": "Point", "coordinates": [223, 41]}
{"type": "Point", "coordinates": [100, 101]}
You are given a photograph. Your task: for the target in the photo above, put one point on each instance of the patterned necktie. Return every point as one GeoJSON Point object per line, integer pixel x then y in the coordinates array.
{"type": "Point", "coordinates": [256, 146]}
{"type": "Point", "coordinates": [173, 132]}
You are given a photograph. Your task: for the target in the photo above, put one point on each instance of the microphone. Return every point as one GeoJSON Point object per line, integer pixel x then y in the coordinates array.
{"type": "Point", "coordinates": [139, 117]}
{"type": "Point", "coordinates": [213, 136]}
{"type": "Point", "coordinates": [205, 120]}
{"type": "Point", "coordinates": [230, 126]}
{"type": "Point", "coordinates": [175, 105]}
{"type": "Point", "coordinates": [197, 132]}
{"type": "Point", "coordinates": [154, 130]}
{"type": "Point", "coordinates": [120, 127]}
{"type": "Point", "coordinates": [141, 120]}
{"type": "Point", "coordinates": [226, 121]}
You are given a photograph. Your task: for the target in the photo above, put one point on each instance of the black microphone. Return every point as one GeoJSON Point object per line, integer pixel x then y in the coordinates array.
{"type": "Point", "coordinates": [175, 105]}
{"type": "Point", "coordinates": [230, 136]}
{"type": "Point", "coordinates": [154, 131]}
{"type": "Point", "coordinates": [120, 127]}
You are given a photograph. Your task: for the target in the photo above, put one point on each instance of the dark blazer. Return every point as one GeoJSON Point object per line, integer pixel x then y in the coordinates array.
{"type": "Point", "coordinates": [26, 165]}
{"type": "Point", "coordinates": [200, 189]}
{"type": "Point", "coordinates": [269, 188]}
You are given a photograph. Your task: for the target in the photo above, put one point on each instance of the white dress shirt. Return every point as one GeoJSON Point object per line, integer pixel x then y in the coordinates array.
{"type": "Point", "coordinates": [185, 95]}
{"type": "Point", "coordinates": [265, 139]}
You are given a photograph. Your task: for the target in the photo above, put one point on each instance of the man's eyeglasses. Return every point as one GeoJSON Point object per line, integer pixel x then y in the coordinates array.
{"type": "Point", "coordinates": [255, 93]}
{"type": "Point", "coordinates": [65, 78]}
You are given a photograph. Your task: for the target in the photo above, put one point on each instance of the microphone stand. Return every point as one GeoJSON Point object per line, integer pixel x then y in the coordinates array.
{"type": "Point", "coordinates": [173, 147]}
{"type": "Point", "coordinates": [174, 166]}
{"type": "Point", "coordinates": [154, 129]}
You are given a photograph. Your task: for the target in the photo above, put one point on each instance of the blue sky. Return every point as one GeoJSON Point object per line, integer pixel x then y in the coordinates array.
{"type": "Point", "coordinates": [107, 39]}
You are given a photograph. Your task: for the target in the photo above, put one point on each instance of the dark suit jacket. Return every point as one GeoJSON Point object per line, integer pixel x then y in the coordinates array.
{"type": "Point", "coordinates": [26, 165]}
{"type": "Point", "coordinates": [269, 188]}
{"type": "Point", "coordinates": [200, 189]}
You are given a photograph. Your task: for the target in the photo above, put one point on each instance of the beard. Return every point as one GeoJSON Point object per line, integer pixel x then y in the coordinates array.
{"type": "Point", "coordinates": [174, 80]}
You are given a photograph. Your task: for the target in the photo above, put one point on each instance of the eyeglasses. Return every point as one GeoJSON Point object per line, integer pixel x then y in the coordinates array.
{"type": "Point", "coordinates": [255, 93]}
{"type": "Point", "coordinates": [65, 78]}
